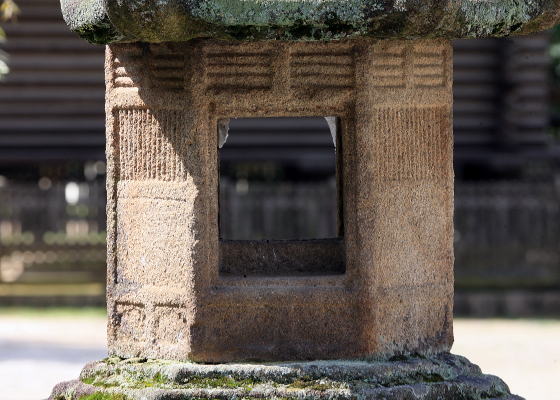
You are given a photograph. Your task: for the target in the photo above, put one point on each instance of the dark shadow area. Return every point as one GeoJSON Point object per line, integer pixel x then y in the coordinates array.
{"type": "Point", "coordinates": [278, 179]}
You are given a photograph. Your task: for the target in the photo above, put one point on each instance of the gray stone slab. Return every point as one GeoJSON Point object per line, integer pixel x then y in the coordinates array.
{"type": "Point", "coordinates": [179, 20]}
{"type": "Point", "coordinates": [443, 376]}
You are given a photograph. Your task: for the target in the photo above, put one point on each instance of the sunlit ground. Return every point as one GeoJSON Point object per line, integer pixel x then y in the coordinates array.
{"type": "Point", "coordinates": [524, 353]}
{"type": "Point", "coordinates": [41, 348]}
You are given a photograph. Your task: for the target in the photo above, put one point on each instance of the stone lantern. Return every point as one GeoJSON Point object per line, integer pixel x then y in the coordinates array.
{"type": "Point", "coordinates": [380, 294]}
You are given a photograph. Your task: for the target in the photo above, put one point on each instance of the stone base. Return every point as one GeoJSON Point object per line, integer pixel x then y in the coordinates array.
{"type": "Point", "coordinates": [444, 376]}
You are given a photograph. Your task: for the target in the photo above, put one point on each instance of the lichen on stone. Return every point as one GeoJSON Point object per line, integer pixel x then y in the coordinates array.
{"type": "Point", "coordinates": [104, 396]}
{"type": "Point", "coordinates": [180, 20]}
{"type": "Point", "coordinates": [101, 32]}
{"type": "Point", "coordinates": [342, 380]}
{"type": "Point", "coordinates": [497, 19]}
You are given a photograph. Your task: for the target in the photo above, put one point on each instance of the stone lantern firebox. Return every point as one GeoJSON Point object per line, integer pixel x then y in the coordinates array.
{"type": "Point", "coordinates": [381, 292]}
{"type": "Point", "coordinates": [384, 287]}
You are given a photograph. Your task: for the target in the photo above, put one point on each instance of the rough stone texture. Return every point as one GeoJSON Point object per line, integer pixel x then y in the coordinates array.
{"type": "Point", "coordinates": [282, 257]}
{"type": "Point", "coordinates": [180, 20]}
{"type": "Point", "coordinates": [443, 376]}
{"type": "Point", "coordinates": [175, 291]}
{"type": "Point", "coordinates": [166, 296]}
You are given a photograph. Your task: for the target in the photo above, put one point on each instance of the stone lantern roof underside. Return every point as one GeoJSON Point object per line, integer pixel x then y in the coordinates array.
{"type": "Point", "coordinates": [107, 21]}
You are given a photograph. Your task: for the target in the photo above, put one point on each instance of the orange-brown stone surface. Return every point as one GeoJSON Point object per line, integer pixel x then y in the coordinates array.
{"type": "Point", "coordinates": [166, 295]}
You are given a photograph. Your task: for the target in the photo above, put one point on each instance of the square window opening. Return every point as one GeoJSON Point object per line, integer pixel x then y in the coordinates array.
{"type": "Point", "coordinates": [280, 196]}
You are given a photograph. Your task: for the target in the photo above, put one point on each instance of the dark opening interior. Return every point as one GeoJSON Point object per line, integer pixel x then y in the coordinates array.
{"type": "Point", "coordinates": [279, 195]}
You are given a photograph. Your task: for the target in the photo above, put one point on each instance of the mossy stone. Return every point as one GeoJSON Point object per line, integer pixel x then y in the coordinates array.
{"type": "Point", "coordinates": [410, 377]}
{"type": "Point", "coordinates": [180, 20]}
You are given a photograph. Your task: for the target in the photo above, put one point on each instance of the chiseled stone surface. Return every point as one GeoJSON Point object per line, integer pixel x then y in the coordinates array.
{"type": "Point", "coordinates": [389, 294]}
{"type": "Point", "coordinates": [166, 296]}
{"type": "Point", "coordinates": [179, 20]}
{"type": "Point", "coordinates": [442, 376]}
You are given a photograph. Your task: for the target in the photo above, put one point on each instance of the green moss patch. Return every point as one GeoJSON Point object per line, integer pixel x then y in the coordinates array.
{"type": "Point", "coordinates": [320, 385]}
{"type": "Point", "coordinates": [98, 382]}
{"type": "Point", "coordinates": [158, 380]}
{"type": "Point", "coordinates": [104, 396]}
{"type": "Point", "coordinates": [221, 382]}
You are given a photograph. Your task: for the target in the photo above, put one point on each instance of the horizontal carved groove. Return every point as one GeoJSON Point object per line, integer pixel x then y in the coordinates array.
{"type": "Point", "coordinates": [398, 67]}
{"type": "Point", "coordinates": [428, 61]}
{"type": "Point", "coordinates": [238, 71]}
{"type": "Point", "coordinates": [428, 76]}
{"type": "Point", "coordinates": [240, 60]}
{"type": "Point", "coordinates": [166, 56]}
{"type": "Point", "coordinates": [318, 84]}
{"type": "Point", "coordinates": [161, 65]}
{"type": "Point", "coordinates": [225, 65]}
{"type": "Point", "coordinates": [166, 64]}
{"type": "Point", "coordinates": [322, 70]}
{"type": "Point", "coordinates": [238, 89]}
{"type": "Point", "coordinates": [227, 74]}
{"type": "Point", "coordinates": [319, 69]}
{"type": "Point", "coordinates": [429, 68]}
{"type": "Point", "coordinates": [434, 54]}
{"type": "Point", "coordinates": [429, 83]}
{"type": "Point", "coordinates": [224, 81]}
{"type": "Point", "coordinates": [388, 67]}
{"type": "Point", "coordinates": [341, 75]}
{"type": "Point", "coordinates": [126, 62]}
{"type": "Point", "coordinates": [390, 85]}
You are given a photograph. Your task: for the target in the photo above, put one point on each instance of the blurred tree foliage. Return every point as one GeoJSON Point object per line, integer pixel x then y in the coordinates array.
{"type": "Point", "coordinates": [8, 11]}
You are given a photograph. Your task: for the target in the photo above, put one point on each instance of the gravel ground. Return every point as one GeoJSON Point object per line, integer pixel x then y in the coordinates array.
{"type": "Point", "coordinates": [37, 351]}
{"type": "Point", "coordinates": [524, 353]}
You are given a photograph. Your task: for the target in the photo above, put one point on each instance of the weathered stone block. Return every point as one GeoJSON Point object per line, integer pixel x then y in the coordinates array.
{"type": "Point", "coordinates": [392, 292]}
{"type": "Point", "coordinates": [442, 376]}
{"type": "Point", "coordinates": [181, 20]}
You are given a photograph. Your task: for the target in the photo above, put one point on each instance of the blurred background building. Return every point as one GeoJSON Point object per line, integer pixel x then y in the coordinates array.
{"type": "Point", "coordinates": [52, 196]}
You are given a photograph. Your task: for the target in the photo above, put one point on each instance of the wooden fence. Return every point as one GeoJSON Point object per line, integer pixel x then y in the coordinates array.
{"type": "Point", "coordinates": [52, 243]}
{"type": "Point", "coordinates": [289, 211]}
{"type": "Point", "coordinates": [507, 235]}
